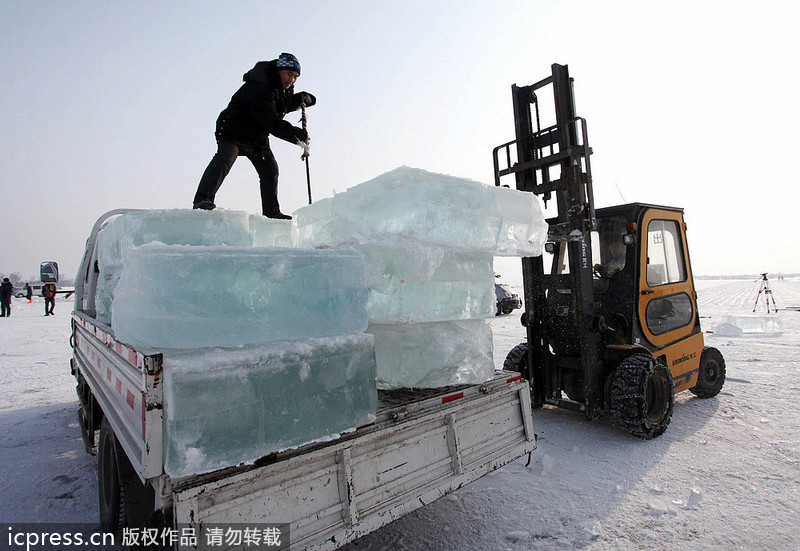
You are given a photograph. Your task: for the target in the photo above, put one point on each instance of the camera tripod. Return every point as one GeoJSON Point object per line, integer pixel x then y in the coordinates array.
{"type": "Point", "coordinates": [767, 290]}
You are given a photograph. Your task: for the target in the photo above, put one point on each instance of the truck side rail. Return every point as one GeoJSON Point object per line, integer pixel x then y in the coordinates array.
{"type": "Point", "coordinates": [127, 386]}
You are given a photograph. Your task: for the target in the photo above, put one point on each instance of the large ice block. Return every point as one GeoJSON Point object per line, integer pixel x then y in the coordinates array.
{"type": "Point", "coordinates": [430, 208]}
{"type": "Point", "coordinates": [412, 282]}
{"type": "Point", "coordinates": [172, 227]}
{"type": "Point", "coordinates": [230, 406]}
{"type": "Point", "coordinates": [432, 355]}
{"type": "Point", "coordinates": [731, 325]}
{"type": "Point", "coordinates": [269, 232]}
{"type": "Point", "coordinates": [170, 296]}
{"type": "Point", "coordinates": [169, 226]}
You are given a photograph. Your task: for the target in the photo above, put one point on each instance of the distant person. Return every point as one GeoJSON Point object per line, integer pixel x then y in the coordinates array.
{"type": "Point", "coordinates": [29, 292]}
{"type": "Point", "coordinates": [6, 290]}
{"type": "Point", "coordinates": [255, 111]}
{"type": "Point", "coordinates": [49, 294]}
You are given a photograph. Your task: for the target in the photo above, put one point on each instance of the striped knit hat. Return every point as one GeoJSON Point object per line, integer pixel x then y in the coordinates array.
{"type": "Point", "coordinates": [289, 62]}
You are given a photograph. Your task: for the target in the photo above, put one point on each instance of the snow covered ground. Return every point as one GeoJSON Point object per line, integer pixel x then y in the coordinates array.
{"type": "Point", "coordinates": [726, 475]}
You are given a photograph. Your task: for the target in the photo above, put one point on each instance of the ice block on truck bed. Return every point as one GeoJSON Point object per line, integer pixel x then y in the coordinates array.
{"type": "Point", "coordinates": [428, 208]}
{"type": "Point", "coordinates": [412, 282]}
{"type": "Point", "coordinates": [269, 232]}
{"type": "Point", "coordinates": [128, 231]}
{"type": "Point", "coordinates": [230, 406]}
{"type": "Point", "coordinates": [434, 354]}
{"type": "Point", "coordinates": [195, 297]}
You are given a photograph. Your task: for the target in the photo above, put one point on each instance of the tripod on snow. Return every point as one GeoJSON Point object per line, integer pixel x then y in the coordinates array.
{"type": "Point", "coordinates": [767, 290]}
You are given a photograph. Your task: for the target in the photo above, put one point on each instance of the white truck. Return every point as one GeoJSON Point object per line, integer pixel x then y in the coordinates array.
{"type": "Point", "coordinates": [422, 445]}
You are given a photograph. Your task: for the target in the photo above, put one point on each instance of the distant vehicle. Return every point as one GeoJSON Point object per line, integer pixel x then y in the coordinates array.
{"type": "Point", "coordinates": [21, 292]}
{"type": "Point", "coordinates": [48, 272]}
{"type": "Point", "coordinates": [507, 300]}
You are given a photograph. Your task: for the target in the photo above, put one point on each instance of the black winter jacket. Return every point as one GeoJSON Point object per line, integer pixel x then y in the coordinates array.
{"type": "Point", "coordinates": [257, 109]}
{"type": "Point", "coordinates": [6, 290]}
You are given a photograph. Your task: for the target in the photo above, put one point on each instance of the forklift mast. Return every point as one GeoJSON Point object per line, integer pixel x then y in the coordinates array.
{"type": "Point", "coordinates": [562, 327]}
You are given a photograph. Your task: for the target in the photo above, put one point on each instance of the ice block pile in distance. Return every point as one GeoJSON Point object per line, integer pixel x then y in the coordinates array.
{"type": "Point", "coordinates": [428, 241]}
{"type": "Point", "coordinates": [264, 347]}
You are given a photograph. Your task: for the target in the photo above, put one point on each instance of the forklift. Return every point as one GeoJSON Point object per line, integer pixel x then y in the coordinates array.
{"type": "Point", "coordinates": [612, 325]}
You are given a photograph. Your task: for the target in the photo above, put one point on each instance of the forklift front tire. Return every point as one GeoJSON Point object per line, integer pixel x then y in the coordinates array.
{"type": "Point", "coordinates": [642, 396]}
{"type": "Point", "coordinates": [711, 376]}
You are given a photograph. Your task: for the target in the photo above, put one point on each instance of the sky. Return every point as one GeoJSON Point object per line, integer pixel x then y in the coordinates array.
{"type": "Point", "coordinates": [110, 104]}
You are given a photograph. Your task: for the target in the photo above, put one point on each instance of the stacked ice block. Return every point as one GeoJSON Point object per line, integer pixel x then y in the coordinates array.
{"type": "Point", "coordinates": [224, 407]}
{"type": "Point", "coordinates": [125, 233]}
{"type": "Point", "coordinates": [264, 347]}
{"type": "Point", "coordinates": [429, 208]}
{"type": "Point", "coordinates": [412, 282]}
{"type": "Point", "coordinates": [432, 354]}
{"type": "Point", "coordinates": [268, 232]}
{"type": "Point", "coordinates": [192, 297]}
{"type": "Point", "coordinates": [428, 241]}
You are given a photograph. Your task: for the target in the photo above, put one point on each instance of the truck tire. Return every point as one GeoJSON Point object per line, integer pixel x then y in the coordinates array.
{"type": "Point", "coordinates": [642, 396]}
{"type": "Point", "coordinates": [711, 376]}
{"type": "Point", "coordinates": [110, 491]}
{"type": "Point", "coordinates": [124, 501]}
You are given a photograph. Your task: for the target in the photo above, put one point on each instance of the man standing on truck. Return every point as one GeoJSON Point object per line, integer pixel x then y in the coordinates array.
{"type": "Point", "coordinates": [49, 293]}
{"type": "Point", "coordinates": [255, 111]}
{"type": "Point", "coordinates": [6, 290]}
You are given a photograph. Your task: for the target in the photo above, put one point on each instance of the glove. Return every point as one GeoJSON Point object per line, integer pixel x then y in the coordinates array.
{"type": "Point", "coordinates": [300, 135]}
{"type": "Point", "coordinates": [306, 98]}
{"type": "Point", "coordinates": [303, 140]}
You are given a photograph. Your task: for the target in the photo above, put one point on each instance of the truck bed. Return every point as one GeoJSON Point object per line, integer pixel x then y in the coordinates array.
{"type": "Point", "coordinates": [422, 445]}
{"type": "Point", "coordinates": [413, 454]}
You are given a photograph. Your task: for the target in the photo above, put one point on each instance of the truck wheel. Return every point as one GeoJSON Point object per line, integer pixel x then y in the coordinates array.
{"type": "Point", "coordinates": [712, 374]}
{"type": "Point", "coordinates": [124, 500]}
{"type": "Point", "coordinates": [642, 396]}
{"type": "Point", "coordinates": [111, 492]}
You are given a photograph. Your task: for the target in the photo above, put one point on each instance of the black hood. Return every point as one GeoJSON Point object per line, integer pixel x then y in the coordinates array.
{"type": "Point", "coordinates": [264, 71]}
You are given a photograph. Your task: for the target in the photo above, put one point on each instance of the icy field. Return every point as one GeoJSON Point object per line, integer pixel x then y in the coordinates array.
{"type": "Point", "coordinates": [726, 475]}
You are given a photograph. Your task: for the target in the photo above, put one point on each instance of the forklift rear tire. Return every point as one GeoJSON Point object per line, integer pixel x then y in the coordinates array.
{"type": "Point", "coordinates": [642, 396]}
{"type": "Point", "coordinates": [517, 359]}
{"type": "Point", "coordinates": [711, 376]}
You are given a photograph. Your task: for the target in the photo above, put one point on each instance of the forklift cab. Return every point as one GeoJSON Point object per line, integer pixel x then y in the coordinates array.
{"type": "Point", "coordinates": [643, 286]}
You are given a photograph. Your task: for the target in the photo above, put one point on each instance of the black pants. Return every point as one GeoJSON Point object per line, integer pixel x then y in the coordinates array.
{"type": "Point", "coordinates": [49, 304]}
{"type": "Point", "coordinates": [264, 162]}
{"type": "Point", "coordinates": [5, 308]}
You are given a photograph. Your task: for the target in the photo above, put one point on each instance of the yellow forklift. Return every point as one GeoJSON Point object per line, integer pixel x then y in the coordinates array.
{"type": "Point", "coordinates": [612, 321]}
